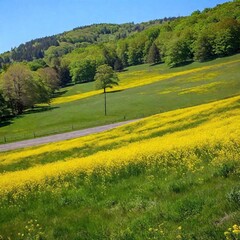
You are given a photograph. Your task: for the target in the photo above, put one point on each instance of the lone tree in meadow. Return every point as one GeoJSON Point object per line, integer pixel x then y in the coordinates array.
{"type": "Point", "coordinates": [105, 78]}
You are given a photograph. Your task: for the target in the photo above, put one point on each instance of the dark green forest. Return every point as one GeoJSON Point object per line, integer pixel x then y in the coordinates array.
{"type": "Point", "coordinates": [73, 56]}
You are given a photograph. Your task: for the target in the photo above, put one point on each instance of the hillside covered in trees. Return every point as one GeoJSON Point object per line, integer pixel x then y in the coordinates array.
{"type": "Point", "coordinates": [78, 37]}
{"type": "Point", "coordinates": [74, 56]}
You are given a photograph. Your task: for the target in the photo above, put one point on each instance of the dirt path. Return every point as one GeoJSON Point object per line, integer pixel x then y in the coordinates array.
{"type": "Point", "coordinates": [60, 137]}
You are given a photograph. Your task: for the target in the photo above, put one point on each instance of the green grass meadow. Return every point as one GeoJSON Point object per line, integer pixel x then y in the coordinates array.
{"type": "Point", "coordinates": [137, 203]}
{"type": "Point", "coordinates": [217, 82]}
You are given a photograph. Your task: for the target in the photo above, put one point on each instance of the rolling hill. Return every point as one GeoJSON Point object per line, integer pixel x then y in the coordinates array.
{"type": "Point", "coordinates": [144, 90]}
{"type": "Point", "coordinates": [171, 175]}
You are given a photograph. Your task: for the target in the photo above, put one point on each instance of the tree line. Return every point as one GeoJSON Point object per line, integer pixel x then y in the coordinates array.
{"type": "Point", "coordinates": [65, 42]}
{"type": "Point", "coordinates": [23, 89]}
{"type": "Point", "coordinates": [202, 36]}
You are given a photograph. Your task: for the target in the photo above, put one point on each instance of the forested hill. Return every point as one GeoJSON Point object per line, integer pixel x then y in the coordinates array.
{"type": "Point", "coordinates": [201, 36]}
{"type": "Point", "coordinates": [76, 38]}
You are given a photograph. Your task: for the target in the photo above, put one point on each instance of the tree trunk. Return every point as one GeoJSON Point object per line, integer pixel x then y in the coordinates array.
{"type": "Point", "coordinates": [105, 102]}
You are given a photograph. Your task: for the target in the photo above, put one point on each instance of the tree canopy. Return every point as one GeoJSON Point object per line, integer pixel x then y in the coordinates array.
{"type": "Point", "coordinates": [19, 88]}
{"type": "Point", "coordinates": [105, 77]}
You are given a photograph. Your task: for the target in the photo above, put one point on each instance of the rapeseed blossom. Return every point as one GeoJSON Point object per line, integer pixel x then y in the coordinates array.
{"type": "Point", "coordinates": [159, 124]}
{"type": "Point", "coordinates": [171, 139]}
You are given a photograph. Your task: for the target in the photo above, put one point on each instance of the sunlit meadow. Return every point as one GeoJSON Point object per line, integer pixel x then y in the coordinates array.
{"type": "Point", "coordinates": [143, 77]}
{"type": "Point", "coordinates": [172, 175]}
{"type": "Point", "coordinates": [143, 90]}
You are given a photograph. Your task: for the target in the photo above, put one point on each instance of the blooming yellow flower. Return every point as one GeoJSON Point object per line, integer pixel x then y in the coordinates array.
{"type": "Point", "coordinates": [235, 227]}
{"type": "Point", "coordinates": [237, 231]}
{"type": "Point", "coordinates": [226, 233]}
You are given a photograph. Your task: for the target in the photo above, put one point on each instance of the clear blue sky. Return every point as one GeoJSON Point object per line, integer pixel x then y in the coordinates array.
{"type": "Point", "coordinates": [24, 20]}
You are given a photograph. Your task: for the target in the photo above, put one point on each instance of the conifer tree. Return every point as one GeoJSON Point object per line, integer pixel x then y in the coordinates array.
{"type": "Point", "coordinates": [153, 54]}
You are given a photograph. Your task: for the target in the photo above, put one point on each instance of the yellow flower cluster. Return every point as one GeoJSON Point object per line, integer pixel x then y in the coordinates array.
{"type": "Point", "coordinates": [233, 233]}
{"type": "Point", "coordinates": [202, 88]}
{"type": "Point", "coordinates": [170, 122]}
{"type": "Point", "coordinates": [158, 232]}
{"type": "Point", "coordinates": [32, 230]}
{"type": "Point", "coordinates": [170, 139]}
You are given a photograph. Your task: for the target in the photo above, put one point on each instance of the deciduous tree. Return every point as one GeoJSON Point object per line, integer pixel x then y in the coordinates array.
{"type": "Point", "coordinates": [105, 78]}
{"type": "Point", "coordinates": [50, 79]}
{"type": "Point", "coordinates": [83, 71]}
{"type": "Point", "coordinates": [178, 52]}
{"type": "Point", "coordinates": [203, 47]}
{"type": "Point", "coordinates": [64, 74]}
{"type": "Point", "coordinates": [20, 88]}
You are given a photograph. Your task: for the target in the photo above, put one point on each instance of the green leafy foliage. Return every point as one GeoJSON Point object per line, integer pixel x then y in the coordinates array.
{"type": "Point", "coordinates": [83, 71]}
{"type": "Point", "coordinates": [50, 79]}
{"type": "Point", "coordinates": [64, 74]}
{"type": "Point", "coordinates": [105, 77]}
{"type": "Point", "coordinates": [22, 88]}
{"type": "Point", "coordinates": [178, 52]}
{"type": "Point", "coordinates": [203, 49]}
{"type": "Point", "coordinates": [19, 88]}
{"type": "Point", "coordinates": [200, 37]}
{"type": "Point", "coordinates": [36, 64]}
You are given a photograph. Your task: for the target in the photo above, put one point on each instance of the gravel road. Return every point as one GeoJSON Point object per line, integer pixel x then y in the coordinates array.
{"type": "Point", "coordinates": [60, 137]}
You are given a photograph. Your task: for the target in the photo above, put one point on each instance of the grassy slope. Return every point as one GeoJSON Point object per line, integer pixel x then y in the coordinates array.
{"type": "Point", "coordinates": [184, 180]}
{"type": "Point", "coordinates": [166, 89]}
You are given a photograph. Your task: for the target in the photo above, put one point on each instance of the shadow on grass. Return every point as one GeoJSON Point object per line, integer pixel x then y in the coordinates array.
{"type": "Point", "coordinates": [6, 121]}
{"type": "Point", "coordinates": [38, 110]}
{"type": "Point", "coordinates": [155, 64]}
{"type": "Point", "coordinates": [59, 94]}
{"type": "Point", "coordinates": [115, 91]}
{"type": "Point", "coordinates": [123, 70]}
{"type": "Point", "coordinates": [183, 64]}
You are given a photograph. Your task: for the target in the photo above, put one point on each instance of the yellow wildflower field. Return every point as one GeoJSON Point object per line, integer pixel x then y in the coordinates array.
{"type": "Point", "coordinates": [157, 124]}
{"type": "Point", "coordinates": [140, 78]}
{"type": "Point", "coordinates": [169, 138]}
